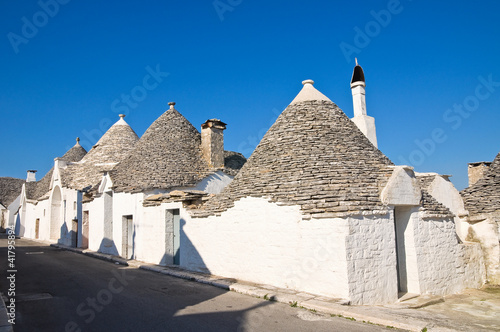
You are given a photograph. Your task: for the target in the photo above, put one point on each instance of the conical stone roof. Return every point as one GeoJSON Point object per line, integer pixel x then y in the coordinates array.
{"type": "Point", "coordinates": [313, 156]}
{"type": "Point", "coordinates": [76, 153]}
{"type": "Point", "coordinates": [484, 195]}
{"type": "Point", "coordinates": [10, 189]}
{"type": "Point", "coordinates": [35, 190]}
{"type": "Point", "coordinates": [113, 146]}
{"type": "Point", "coordinates": [168, 155]}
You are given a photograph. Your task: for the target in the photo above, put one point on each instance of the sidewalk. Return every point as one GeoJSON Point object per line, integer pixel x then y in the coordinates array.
{"type": "Point", "coordinates": [474, 310]}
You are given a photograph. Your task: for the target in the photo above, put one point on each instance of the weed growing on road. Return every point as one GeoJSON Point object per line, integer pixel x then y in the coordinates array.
{"type": "Point", "coordinates": [293, 304]}
{"type": "Point", "coordinates": [350, 318]}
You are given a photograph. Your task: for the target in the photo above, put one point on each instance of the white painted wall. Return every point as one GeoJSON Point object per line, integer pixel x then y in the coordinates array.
{"type": "Point", "coordinates": [262, 242]}
{"type": "Point", "coordinates": [405, 219]}
{"type": "Point", "coordinates": [402, 188]}
{"type": "Point", "coordinates": [131, 204]}
{"type": "Point", "coordinates": [65, 229]}
{"type": "Point", "coordinates": [12, 208]}
{"type": "Point", "coordinates": [440, 258]}
{"type": "Point", "coordinates": [96, 222]}
{"type": "Point", "coordinates": [214, 183]}
{"type": "Point", "coordinates": [371, 260]}
{"type": "Point", "coordinates": [445, 193]}
{"type": "Point", "coordinates": [487, 233]}
{"type": "Point", "coordinates": [41, 210]}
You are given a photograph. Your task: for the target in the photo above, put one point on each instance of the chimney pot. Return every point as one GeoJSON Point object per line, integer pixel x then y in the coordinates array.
{"type": "Point", "coordinates": [31, 176]}
{"type": "Point", "coordinates": [477, 171]}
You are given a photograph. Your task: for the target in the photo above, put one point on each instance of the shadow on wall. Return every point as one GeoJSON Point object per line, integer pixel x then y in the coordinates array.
{"type": "Point", "coordinates": [108, 246]}
{"type": "Point", "coordinates": [67, 237]}
{"type": "Point", "coordinates": [18, 228]}
{"type": "Point", "coordinates": [180, 251]}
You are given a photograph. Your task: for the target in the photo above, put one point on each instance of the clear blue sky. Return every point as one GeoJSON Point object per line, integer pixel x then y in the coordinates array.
{"type": "Point", "coordinates": [243, 61]}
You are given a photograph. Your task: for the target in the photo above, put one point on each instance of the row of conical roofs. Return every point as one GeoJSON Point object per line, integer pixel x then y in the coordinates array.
{"type": "Point", "coordinates": [313, 156]}
{"type": "Point", "coordinates": [167, 155]}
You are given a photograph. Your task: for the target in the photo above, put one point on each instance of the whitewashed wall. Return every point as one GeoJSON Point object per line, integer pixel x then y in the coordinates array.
{"type": "Point", "coordinates": [66, 224]}
{"type": "Point", "coordinates": [485, 230]}
{"type": "Point", "coordinates": [371, 260]}
{"type": "Point", "coordinates": [441, 257]}
{"type": "Point", "coordinates": [12, 208]}
{"type": "Point", "coordinates": [262, 242]}
{"type": "Point", "coordinates": [128, 204]}
{"type": "Point", "coordinates": [96, 222]}
{"type": "Point", "coordinates": [153, 241]}
{"type": "Point", "coordinates": [446, 193]}
{"type": "Point", "coordinates": [214, 183]}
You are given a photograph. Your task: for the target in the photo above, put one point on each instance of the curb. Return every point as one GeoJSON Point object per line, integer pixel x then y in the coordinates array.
{"type": "Point", "coordinates": [334, 307]}
{"type": "Point", "coordinates": [5, 326]}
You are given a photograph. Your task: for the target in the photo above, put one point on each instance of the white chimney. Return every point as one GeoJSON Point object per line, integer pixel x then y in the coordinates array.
{"type": "Point", "coordinates": [364, 122]}
{"type": "Point", "coordinates": [212, 142]}
{"type": "Point", "coordinates": [31, 176]}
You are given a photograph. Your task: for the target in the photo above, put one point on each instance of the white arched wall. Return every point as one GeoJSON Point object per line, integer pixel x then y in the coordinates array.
{"type": "Point", "coordinates": [55, 213]}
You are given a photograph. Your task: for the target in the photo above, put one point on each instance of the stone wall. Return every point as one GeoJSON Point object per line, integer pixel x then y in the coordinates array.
{"type": "Point", "coordinates": [441, 258]}
{"type": "Point", "coordinates": [371, 260]}
{"type": "Point", "coordinates": [477, 171]}
{"type": "Point", "coordinates": [485, 230]}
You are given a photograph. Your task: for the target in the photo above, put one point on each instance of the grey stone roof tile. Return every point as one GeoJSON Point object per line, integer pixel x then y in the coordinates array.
{"type": "Point", "coordinates": [233, 162]}
{"type": "Point", "coordinates": [35, 190]}
{"type": "Point", "coordinates": [432, 208]}
{"type": "Point", "coordinates": [10, 189]}
{"type": "Point", "coordinates": [168, 155]}
{"type": "Point", "coordinates": [484, 195]}
{"type": "Point", "coordinates": [313, 156]}
{"type": "Point", "coordinates": [113, 147]}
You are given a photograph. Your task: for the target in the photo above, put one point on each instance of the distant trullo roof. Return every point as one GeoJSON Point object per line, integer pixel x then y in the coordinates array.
{"type": "Point", "coordinates": [76, 153]}
{"type": "Point", "coordinates": [313, 156]}
{"type": "Point", "coordinates": [484, 195]}
{"type": "Point", "coordinates": [10, 189]}
{"type": "Point", "coordinates": [111, 148]}
{"type": "Point", "coordinates": [35, 190]}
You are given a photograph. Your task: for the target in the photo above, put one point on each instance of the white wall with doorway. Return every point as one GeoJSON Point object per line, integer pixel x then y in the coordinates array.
{"type": "Point", "coordinates": [405, 218]}
{"type": "Point", "coordinates": [153, 245]}
{"type": "Point", "coordinates": [264, 242]}
{"type": "Point", "coordinates": [125, 204]}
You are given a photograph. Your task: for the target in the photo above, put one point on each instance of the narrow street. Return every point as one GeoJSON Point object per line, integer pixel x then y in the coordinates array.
{"type": "Point", "coordinates": [57, 290]}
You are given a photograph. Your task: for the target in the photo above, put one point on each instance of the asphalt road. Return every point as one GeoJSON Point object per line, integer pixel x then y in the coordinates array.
{"type": "Point", "coordinates": [58, 290]}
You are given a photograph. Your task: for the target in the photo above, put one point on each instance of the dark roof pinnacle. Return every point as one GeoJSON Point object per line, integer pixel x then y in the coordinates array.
{"type": "Point", "coordinates": [357, 74]}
